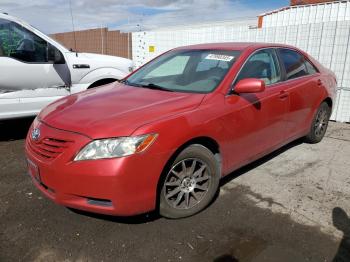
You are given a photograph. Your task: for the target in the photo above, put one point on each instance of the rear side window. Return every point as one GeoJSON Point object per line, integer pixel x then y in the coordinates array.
{"type": "Point", "coordinates": [294, 63]}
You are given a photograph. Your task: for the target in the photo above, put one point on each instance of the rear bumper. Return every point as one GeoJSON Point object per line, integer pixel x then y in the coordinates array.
{"type": "Point", "coordinates": [121, 186]}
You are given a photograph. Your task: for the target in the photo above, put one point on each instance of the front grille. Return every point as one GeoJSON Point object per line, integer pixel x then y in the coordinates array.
{"type": "Point", "coordinates": [48, 147]}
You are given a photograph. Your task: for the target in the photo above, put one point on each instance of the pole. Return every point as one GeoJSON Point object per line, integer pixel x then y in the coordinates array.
{"type": "Point", "coordinates": [101, 40]}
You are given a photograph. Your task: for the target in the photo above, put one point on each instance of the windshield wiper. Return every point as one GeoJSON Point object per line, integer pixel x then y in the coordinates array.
{"type": "Point", "coordinates": [155, 86]}
{"type": "Point", "coordinates": [147, 85]}
{"type": "Point", "coordinates": [126, 82]}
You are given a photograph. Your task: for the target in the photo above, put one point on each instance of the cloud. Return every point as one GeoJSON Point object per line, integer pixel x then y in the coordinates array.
{"type": "Point", "coordinates": [185, 12]}
{"type": "Point", "coordinates": [52, 16]}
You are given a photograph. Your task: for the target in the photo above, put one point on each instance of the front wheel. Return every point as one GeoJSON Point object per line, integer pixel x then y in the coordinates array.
{"type": "Point", "coordinates": [319, 124]}
{"type": "Point", "coordinates": [190, 183]}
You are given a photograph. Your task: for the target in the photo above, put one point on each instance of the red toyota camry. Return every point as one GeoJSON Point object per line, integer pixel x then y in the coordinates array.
{"type": "Point", "coordinates": [164, 136]}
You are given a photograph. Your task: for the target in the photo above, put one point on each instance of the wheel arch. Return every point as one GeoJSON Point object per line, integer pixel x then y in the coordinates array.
{"type": "Point", "coordinates": [329, 102]}
{"type": "Point", "coordinates": [103, 81]}
{"type": "Point", "coordinates": [100, 74]}
{"type": "Point", "coordinates": [205, 141]}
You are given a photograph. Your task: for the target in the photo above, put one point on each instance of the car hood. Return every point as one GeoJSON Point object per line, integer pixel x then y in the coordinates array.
{"type": "Point", "coordinates": [100, 61]}
{"type": "Point", "coordinates": [105, 58]}
{"type": "Point", "coordinates": [115, 110]}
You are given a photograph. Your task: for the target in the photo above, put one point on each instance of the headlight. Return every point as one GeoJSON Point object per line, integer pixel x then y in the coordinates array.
{"type": "Point", "coordinates": [115, 147]}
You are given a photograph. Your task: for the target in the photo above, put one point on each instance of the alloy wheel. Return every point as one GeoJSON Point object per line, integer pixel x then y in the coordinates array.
{"type": "Point", "coordinates": [187, 183]}
{"type": "Point", "coordinates": [321, 122]}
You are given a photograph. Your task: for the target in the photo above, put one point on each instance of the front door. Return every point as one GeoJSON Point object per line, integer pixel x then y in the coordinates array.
{"type": "Point", "coordinates": [28, 81]}
{"type": "Point", "coordinates": [257, 121]}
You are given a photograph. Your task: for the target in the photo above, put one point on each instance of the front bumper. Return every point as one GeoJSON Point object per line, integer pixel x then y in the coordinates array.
{"type": "Point", "coordinates": [121, 186]}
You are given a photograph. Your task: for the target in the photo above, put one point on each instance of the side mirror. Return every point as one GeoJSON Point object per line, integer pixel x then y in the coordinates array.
{"type": "Point", "coordinates": [54, 55]}
{"type": "Point", "coordinates": [250, 85]}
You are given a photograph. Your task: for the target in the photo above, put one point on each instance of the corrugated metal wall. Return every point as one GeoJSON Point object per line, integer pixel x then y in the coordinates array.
{"type": "Point", "coordinates": [99, 41]}
{"type": "Point", "coordinates": [306, 2]}
{"type": "Point", "coordinates": [327, 42]}
{"type": "Point", "coordinates": [295, 15]}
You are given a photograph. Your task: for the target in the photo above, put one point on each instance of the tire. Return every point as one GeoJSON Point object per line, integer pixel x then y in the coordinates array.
{"type": "Point", "coordinates": [319, 124]}
{"type": "Point", "coordinates": [190, 184]}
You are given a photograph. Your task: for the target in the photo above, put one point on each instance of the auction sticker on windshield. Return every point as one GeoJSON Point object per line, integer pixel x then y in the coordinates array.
{"type": "Point", "coordinates": [226, 58]}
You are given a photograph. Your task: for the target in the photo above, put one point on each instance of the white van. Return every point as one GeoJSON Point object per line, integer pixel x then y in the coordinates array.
{"type": "Point", "coordinates": [36, 70]}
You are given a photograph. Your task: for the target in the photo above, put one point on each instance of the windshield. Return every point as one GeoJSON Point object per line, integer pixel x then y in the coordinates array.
{"type": "Point", "coordinates": [195, 71]}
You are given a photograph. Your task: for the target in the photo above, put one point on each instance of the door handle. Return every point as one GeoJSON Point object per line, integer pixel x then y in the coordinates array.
{"type": "Point", "coordinates": [283, 95]}
{"type": "Point", "coordinates": [319, 82]}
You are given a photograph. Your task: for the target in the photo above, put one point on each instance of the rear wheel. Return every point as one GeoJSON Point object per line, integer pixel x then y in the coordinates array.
{"type": "Point", "coordinates": [319, 124]}
{"type": "Point", "coordinates": [190, 183]}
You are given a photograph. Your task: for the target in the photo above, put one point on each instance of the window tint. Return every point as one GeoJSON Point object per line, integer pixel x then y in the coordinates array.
{"type": "Point", "coordinates": [196, 71]}
{"type": "Point", "coordinates": [262, 65]}
{"type": "Point", "coordinates": [207, 64]}
{"type": "Point", "coordinates": [294, 63]}
{"type": "Point", "coordinates": [19, 43]}
{"type": "Point", "coordinates": [311, 69]}
{"type": "Point", "coordinates": [174, 66]}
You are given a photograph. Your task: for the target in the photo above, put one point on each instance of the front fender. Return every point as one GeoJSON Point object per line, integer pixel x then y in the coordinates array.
{"type": "Point", "coordinates": [175, 131]}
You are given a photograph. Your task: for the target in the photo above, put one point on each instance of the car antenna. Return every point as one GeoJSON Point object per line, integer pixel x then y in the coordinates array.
{"type": "Point", "coordinates": [75, 39]}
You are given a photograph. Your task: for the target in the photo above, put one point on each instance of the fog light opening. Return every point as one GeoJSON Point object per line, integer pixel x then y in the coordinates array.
{"type": "Point", "coordinates": [99, 202]}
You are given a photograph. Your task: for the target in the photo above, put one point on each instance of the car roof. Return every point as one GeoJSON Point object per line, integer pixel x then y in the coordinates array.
{"type": "Point", "coordinates": [239, 46]}
{"type": "Point", "coordinates": [8, 17]}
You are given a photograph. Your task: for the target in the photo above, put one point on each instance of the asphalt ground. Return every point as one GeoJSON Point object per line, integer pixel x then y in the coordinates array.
{"type": "Point", "coordinates": [292, 205]}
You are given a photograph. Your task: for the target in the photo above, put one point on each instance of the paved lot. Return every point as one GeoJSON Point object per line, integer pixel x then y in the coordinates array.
{"type": "Point", "coordinates": [293, 205]}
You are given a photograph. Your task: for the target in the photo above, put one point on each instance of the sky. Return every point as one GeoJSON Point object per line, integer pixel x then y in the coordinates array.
{"type": "Point", "coordinates": [53, 16]}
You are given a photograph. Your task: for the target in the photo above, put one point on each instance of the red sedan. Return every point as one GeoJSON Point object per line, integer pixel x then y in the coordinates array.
{"type": "Point", "coordinates": [164, 136]}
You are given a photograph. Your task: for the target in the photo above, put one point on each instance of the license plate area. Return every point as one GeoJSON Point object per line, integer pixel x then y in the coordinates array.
{"type": "Point", "coordinates": [33, 170]}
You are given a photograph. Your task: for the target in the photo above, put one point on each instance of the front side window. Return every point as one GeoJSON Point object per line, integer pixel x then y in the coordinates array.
{"type": "Point", "coordinates": [262, 65]}
{"type": "Point", "coordinates": [196, 71]}
{"type": "Point", "coordinates": [19, 43]}
{"type": "Point", "coordinates": [294, 63]}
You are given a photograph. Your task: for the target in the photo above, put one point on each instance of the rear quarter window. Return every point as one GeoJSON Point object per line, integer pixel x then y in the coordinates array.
{"type": "Point", "coordinates": [311, 69]}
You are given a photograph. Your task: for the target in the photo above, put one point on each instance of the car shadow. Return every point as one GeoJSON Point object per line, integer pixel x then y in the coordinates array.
{"type": "Point", "coordinates": [342, 222]}
{"type": "Point", "coordinates": [14, 129]}
{"type": "Point", "coordinates": [225, 258]}
{"type": "Point", "coordinates": [152, 216]}
{"type": "Point", "coordinates": [137, 219]}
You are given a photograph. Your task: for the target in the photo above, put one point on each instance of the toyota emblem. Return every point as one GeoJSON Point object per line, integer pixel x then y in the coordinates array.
{"type": "Point", "coordinates": [35, 134]}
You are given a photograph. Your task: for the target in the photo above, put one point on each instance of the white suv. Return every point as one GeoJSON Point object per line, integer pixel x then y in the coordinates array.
{"type": "Point", "coordinates": [36, 70]}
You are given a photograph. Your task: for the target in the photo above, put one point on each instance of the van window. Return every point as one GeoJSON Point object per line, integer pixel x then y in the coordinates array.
{"type": "Point", "coordinates": [19, 43]}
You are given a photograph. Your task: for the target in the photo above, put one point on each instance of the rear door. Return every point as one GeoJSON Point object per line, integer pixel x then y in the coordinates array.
{"type": "Point", "coordinates": [302, 79]}
{"type": "Point", "coordinates": [257, 121]}
{"type": "Point", "coordinates": [28, 80]}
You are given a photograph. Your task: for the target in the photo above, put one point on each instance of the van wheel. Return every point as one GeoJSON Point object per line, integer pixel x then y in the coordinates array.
{"type": "Point", "coordinates": [190, 183]}
{"type": "Point", "coordinates": [319, 124]}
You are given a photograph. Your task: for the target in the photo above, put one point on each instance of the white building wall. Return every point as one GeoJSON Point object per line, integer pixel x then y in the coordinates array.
{"type": "Point", "coordinates": [328, 42]}
{"type": "Point", "coordinates": [306, 14]}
